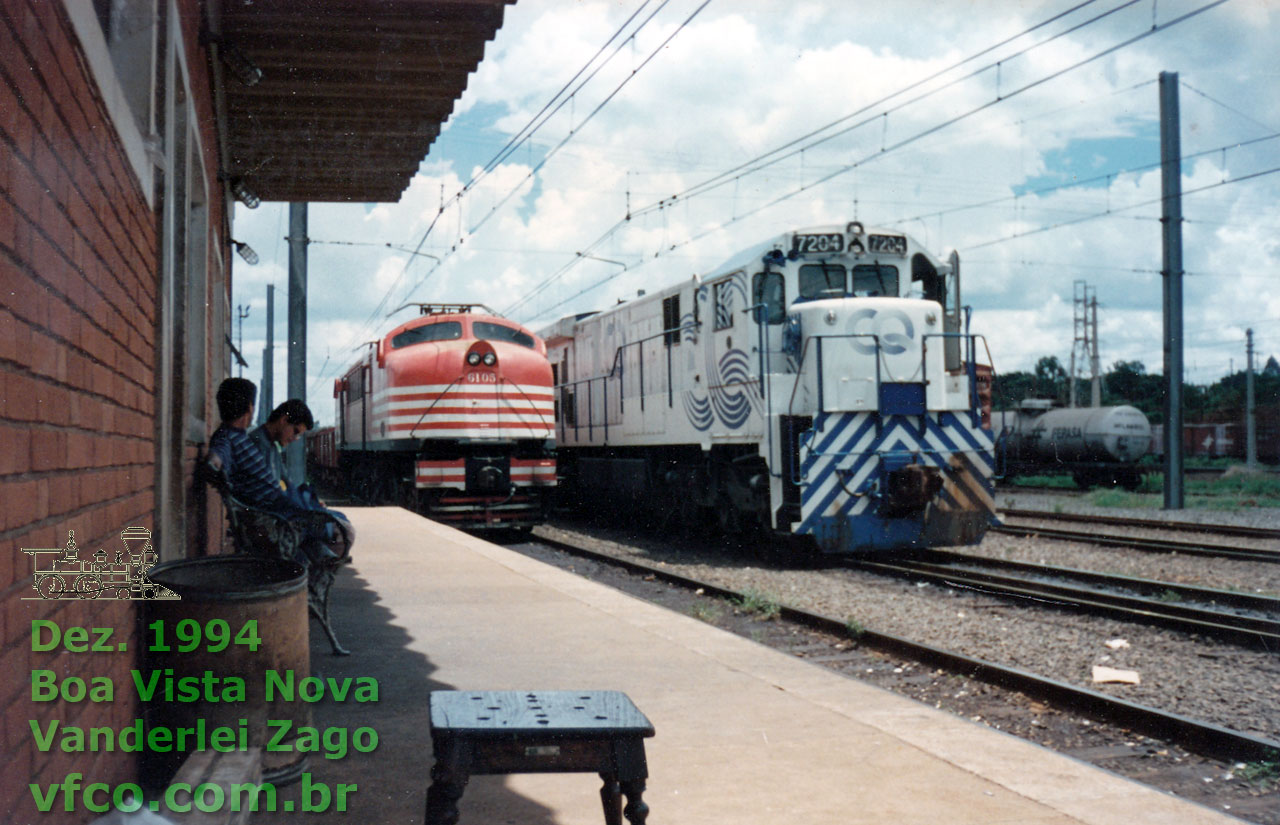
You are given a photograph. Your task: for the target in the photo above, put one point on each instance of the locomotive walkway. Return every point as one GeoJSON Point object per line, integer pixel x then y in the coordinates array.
{"type": "Point", "coordinates": [745, 734]}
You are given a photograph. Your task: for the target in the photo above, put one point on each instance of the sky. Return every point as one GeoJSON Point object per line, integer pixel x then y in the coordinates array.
{"type": "Point", "coordinates": [607, 146]}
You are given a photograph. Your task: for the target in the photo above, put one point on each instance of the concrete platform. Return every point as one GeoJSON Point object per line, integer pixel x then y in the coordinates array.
{"type": "Point", "coordinates": [745, 734]}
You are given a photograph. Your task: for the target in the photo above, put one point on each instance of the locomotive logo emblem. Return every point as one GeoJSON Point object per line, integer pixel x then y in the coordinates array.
{"type": "Point", "coordinates": [892, 342]}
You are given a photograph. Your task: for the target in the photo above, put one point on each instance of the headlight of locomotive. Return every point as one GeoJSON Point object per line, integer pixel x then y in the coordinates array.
{"type": "Point", "coordinates": [473, 358]}
{"type": "Point", "coordinates": [490, 359]}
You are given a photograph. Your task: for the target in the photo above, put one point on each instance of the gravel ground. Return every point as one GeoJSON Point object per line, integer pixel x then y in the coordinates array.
{"type": "Point", "coordinates": [1195, 571]}
{"type": "Point", "coordinates": [1251, 792]}
{"type": "Point", "coordinates": [1204, 679]}
{"type": "Point", "coordinates": [1076, 503]}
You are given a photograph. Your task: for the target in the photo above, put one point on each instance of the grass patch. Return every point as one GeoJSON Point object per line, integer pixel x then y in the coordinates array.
{"type": "Point", "coordinates": [1263, 774]}
{"type": "Point", "coordinates": [1234, 493]}
{"type": "Point", "coordinates": [708, 613]}
{"type": "Point", "coordinates": [1169, 596]}
{"type": "Point", "coordinates": [854, 627]}
{"type": "Point", "coordinates": [763, 605]}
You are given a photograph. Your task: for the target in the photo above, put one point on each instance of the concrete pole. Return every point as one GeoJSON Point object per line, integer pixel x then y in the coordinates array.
{"type": "Point", "coordinates": [1250, 422]}
{"type": "Point", "coordinates": [295, 455]}
{"type": "Point", "coordinates": [1171, 220]}
{"type": "Point", "coordinates": [266, 393]}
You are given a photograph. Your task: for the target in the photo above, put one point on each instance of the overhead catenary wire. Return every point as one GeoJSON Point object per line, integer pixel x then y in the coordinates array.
{"type": "Point", "coordinates": [512, 145]}
{"type": "Point", "coordinates": [884, 151]}
{"type": "Point", "coordinates": [1111, 212]}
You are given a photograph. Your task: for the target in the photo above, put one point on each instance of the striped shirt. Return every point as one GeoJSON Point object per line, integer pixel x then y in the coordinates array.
{"type": "Point", "coordinates": [247, 471]}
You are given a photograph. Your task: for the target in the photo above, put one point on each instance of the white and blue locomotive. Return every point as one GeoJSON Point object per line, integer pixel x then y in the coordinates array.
{"type": "Point", "coordinates": [818, 385]}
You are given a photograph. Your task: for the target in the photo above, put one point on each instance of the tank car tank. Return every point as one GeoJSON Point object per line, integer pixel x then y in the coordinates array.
{"type": "Point", "coordinates": [1096, 445]}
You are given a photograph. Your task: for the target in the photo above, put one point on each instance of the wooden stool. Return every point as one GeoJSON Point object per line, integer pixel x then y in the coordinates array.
{"type": "Point", "coordinates": [544, 731]}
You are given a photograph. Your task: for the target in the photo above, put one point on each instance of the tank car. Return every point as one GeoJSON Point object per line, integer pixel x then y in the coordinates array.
{"type": "Point", "coordinates": [1095, 445]}
{"type": "Point", "coordinates": [819, 385]}
{"type": "Point", "coordinates": [450, 414]}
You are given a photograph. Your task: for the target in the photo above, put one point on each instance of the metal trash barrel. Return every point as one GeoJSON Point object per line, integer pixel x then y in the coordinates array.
{"type": "Point", "coordinates": [235, 589]}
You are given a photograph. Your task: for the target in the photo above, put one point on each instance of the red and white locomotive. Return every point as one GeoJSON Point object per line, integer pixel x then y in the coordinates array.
{"type": "Point", "coordinates": [450, 414]}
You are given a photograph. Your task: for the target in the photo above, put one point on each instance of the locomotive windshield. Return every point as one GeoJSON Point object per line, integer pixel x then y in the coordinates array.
{"type": "Point", "coordinates": [442, 331]}
{"type": "Point", "coordinates": [500, 332]}
{"type": "Point", "coordinates": [874, 280]}
{"type": "Point", "coordinates": [822, 281]}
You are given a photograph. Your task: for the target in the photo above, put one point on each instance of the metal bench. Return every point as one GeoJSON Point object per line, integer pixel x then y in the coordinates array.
{"type": "Point", "coordinates": [254, 531]}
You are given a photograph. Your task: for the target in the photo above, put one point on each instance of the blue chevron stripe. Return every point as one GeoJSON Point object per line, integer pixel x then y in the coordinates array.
{"type": "Point", "coordinates": [976, 440]}
{"type": "Point", "coordinates": [819, 452]}
{"type": "Point", "coordinates": [947, 437]}
{"type": "Point", "coordinates": [898, 432]}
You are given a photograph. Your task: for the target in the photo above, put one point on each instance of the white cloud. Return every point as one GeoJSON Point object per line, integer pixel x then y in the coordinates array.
{"type": "Point", "coordinates": [746, 77]}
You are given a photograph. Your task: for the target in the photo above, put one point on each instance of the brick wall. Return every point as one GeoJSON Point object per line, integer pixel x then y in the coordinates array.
{"type": "Point", "coordinates": [79, 252]}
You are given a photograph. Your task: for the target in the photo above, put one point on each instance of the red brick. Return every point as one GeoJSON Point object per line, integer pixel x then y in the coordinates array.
{"type": "Point", "coordinates": [20, 398]}
{"type": "Point", "coordinates": [20, 499]}
{"type": "Point", "coordinates": [48, 450]}
{"type": "Point", "coordinates": [15, 451]}
{"type": "Point", "coordinates": [8, 219]}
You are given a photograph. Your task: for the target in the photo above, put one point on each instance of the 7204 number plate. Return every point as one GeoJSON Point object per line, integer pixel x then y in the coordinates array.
{"type": "Point", "coordinates": [824, 242]}
{"type": "Point", "coordinates": [894, 244]}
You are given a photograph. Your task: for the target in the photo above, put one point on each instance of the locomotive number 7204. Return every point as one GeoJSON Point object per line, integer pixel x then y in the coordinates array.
{"type": "Point", "coordinates": [824, 242]}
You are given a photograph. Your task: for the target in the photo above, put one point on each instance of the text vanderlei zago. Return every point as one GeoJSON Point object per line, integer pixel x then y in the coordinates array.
{"type": "Point", "coordinates": [162, 685]}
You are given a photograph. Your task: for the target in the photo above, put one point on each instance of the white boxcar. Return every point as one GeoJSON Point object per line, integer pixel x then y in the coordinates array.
{"type": "Point", "coordinates": [818, 385]}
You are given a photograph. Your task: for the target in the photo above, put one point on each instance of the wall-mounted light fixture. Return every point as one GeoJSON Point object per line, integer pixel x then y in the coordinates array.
{"type": "Point", "coordinates": [245, 251]}
{"type": "Point", "coordinates": [244, 194]}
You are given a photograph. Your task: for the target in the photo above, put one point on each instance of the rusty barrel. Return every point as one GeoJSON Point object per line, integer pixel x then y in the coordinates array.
{"type": "Point", "coordinates": [261, 597]}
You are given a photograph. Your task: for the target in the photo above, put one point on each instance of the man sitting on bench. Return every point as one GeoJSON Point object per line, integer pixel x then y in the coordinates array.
{"type": "Point", "coordinates": [246, 466]}
{"type": "Point", "coordinates": [285, 425]}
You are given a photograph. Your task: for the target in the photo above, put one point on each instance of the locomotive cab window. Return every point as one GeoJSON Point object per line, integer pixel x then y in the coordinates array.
{"type": "Point", "coordinates": [671, 320]}
{"type": "Point", "coordinates": [723, 296]}
{"type": "Point", "coordinates": [875, 280]}
{"type": "Point", "coordinates": [501, 332]}
{"type": "Point", "coordinates": [769, 290]}
{"type": "Point", "coordinates": [822, 281]}
{"type": "Point", "coordinates": [442, 331]}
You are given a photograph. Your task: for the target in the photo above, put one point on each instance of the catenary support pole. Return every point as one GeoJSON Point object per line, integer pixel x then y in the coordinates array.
{"type": "Point", "coordinates": [295, 457]}
{"type": "Point", "coordinates": [266, 393]}
{"type": "Point", "coordinates": [1171, 220]}
{"type": "Point", "coordinates": [1250, 420]}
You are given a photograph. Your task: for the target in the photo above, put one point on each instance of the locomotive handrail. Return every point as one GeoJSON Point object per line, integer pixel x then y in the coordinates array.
{"type": "Point", "coordinates": [439, 398]}
{"type": "Point", "coordinates": [533, 406]}
{"type": "Point", "coordinates": [804, 355]}
{"type": "Point", "coordinates": [616, 369]}
{"type": "Point", "coordinates": [426, 308]}
{"type": "Point", "coordinates": [970, 360]}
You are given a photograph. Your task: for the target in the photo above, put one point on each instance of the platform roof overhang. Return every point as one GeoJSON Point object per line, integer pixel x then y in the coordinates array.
{"type": "Point", "coordinates": [352, 92]}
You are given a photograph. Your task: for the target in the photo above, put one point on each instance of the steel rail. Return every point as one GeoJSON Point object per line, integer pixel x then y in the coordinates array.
{"type": "Point", "coordinates": [1239, 530]}
{"type": "Point", "coordinates": [1205, 738]}
{"type": "Point", "coordinates": [1206, 595]}
{"type": "Point", "coordinates": [1141, 543]}
{"type": "Point", "coordinates": [1240, 629]}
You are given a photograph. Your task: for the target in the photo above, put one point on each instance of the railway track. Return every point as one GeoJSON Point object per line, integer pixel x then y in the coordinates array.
{"type": "Point", "coordinates": [1235, 530]}
{"type": "Point", "coordinates": [1165, 605]}
{"type": "Point", "coordinates": [1207, 739]}
{"type": "Point", "coordinates": [1155, 545]}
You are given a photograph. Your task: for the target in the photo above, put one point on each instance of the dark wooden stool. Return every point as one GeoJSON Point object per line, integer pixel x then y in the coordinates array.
{"type": "Point", "coordinates": [544, 731]}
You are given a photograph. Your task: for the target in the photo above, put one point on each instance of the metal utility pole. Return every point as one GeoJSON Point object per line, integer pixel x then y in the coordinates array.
{"type": "Point", "coordinates": [295, 456]}
{"type": "Point", "coordinates": [267, 391]}
{"type": "Point", "coordinates": [1084, 340]}
{"type": "Point", "coordinates": [242, 312]}
{"type": "Point", "coordinates": [1250, 422]}
{"type": "Point", "coordinates": [1171, 221]}
{"type": "Point", "coordinates": [1095, 387]}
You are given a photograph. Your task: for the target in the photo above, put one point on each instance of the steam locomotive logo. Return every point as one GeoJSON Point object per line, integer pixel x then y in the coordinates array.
{"type": "Point", "coordinates": [67, 576]}
{"type": "Point", "coordinates": [891, 342]}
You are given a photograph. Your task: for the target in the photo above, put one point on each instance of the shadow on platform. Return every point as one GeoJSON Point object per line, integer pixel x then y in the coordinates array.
{"type": "Point", "coordinates": [392, 779]}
